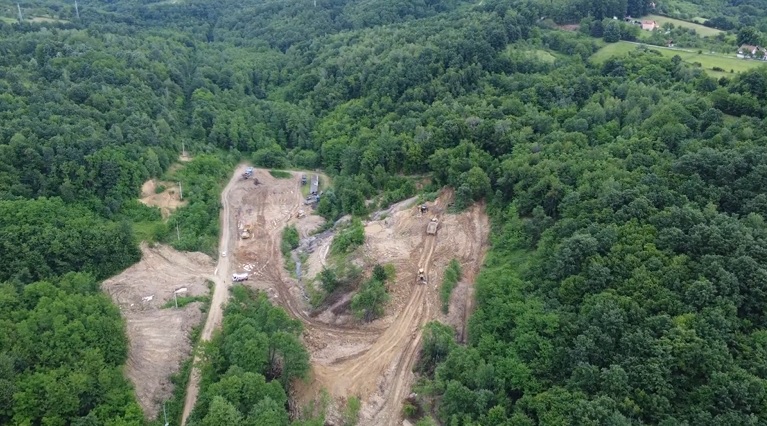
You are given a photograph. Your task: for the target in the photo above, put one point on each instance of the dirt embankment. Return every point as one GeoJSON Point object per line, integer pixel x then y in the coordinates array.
{"type": "Point", "coordinates": [158, 337]}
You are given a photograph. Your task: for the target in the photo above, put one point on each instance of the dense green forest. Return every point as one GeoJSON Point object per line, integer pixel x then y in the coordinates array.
{"type": "Point", "coordinates": [250, 364]}
{"type": "Point", "coordinates": [63, 348]}
{"type": "Point", "coordinates": [625, 284]}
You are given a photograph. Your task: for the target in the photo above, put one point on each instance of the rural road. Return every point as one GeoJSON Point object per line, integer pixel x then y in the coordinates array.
{"type": "Point", "coordinates": [220, 295]}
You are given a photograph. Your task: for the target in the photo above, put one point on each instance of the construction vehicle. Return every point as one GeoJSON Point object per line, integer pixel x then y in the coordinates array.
{"type": "Point", "coordinates": [303, 179]}
{"type": "Point", "coordinates": [245, 230]}
{"type": "Point", "coordinates": [421, 276]}
{"type": "Point", "coordinates": [315, 185]}
{"type": "Point", "coordinates": [300, 214]}
{"type": "Point", "coordinates": [239, 277]}
{"type": "Point", "coordinates": [431, 228]}
{"type": "Point", "coordinates": [248, 173]}
{"type": "Point", "coordinates": [423, 208]}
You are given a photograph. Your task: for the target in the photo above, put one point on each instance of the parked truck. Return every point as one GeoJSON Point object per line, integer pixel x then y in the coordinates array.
{"type": "Point", "coordinates": [315, 185]}
{"type": "Point", "coordinates": [239, 277]}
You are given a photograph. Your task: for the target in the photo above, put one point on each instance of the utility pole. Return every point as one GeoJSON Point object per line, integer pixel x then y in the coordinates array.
{"type": "Point", "coordinates": [178, 234]}
{"type": "Point", "coordinates": [183, 150]}
{"type": "Point", "coordinates": [21, 18]}
{"type": "Point", "coordinates": [77, 10]}
{"type": "Point", "coordinates": [175, 299]}
{"type": "Point", "coordinates": [180, 191]}
{"type": "Point", "coordinates": [163, 410]}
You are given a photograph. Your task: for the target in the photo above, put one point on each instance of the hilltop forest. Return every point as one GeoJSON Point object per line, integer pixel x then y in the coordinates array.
{"type": "Point", "coordinates": [627, 279]}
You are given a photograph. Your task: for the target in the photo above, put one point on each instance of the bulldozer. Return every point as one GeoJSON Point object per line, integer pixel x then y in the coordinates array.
{"type": "Point", "coordinates": [246, 232]}
{"type": "Point", "coordinates": [421, 276]}
{"type": "Point", "coordinates": [431, 228]}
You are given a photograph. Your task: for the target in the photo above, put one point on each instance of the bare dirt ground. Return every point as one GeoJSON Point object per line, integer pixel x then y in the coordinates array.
{"type": "Point", "coordinates": [167, 200]}
{"type": "Point", "coordinates": [372, 361]}
{"type": "Point", "coordinates": [158, 338]}
{"type": "Point", "coordinates": [380, 373]}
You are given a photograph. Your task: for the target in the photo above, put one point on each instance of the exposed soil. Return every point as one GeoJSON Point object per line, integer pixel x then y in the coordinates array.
{"type": "Point", "coordinates": [158, 337]}
{"type": "Point", "coordinates": [372, 361]}
{"type": "Point", "coordinates": [380, 373]}
{"type": "Point", "coordinates": [167, 200]}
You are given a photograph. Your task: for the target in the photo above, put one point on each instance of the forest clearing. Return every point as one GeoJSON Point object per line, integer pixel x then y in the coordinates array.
{"type": "Point", "coordinates": [700, 29]}
{"type": "Point", "coordinates": [164, 195]}
{"type": "Point", "coordinates": [372, 361]}
{"type": "Point", "coordinates": [159, 337]}
{"type": "Point", "coordinates": [707, 61]}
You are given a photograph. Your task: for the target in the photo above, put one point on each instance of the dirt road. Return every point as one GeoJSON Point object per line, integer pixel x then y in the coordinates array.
{"type": "Point", "coordinates": [372, 361]}
{"type": "Point", "coordinates": [221, 279]}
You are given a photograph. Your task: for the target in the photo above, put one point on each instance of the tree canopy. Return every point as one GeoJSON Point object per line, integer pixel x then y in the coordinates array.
{"type": "Point", "coordinates": [626, 280]}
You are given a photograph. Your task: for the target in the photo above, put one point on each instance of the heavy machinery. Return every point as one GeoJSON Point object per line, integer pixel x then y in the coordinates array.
{"type": "Point", "coordinates": [245, 231]}
{"type": "Point", "coordinates": [303, 179]}
{"type": "Point", "coordinates": [431, 228]}
{"type": "Point", "coordinates": [239, 277]}
{"type": "Point", "coordinates": [315, 185]}
{"type": "Point", "coordinates": [248, 173]}
{"type": "Point", "coordinates": [421, 276]}
{"type": "Point", "coordinates": [300, 214]}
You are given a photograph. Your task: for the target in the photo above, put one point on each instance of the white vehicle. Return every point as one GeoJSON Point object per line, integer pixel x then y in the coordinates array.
{"type": "Point", "coordinates": [239, 277]}
{"type": "Point", "coordinates": [223, 254]}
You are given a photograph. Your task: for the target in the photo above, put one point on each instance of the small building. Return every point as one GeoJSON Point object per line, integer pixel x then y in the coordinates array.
{"type": "Point", "coordinates": [748, 50]}
{"type": "Point", "coordinates": [650, 25]}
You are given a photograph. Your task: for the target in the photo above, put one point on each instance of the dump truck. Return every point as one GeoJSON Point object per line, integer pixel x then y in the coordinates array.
{"type": "Point", "coordinates": [239, 277]}
{"type": "Point", "coordinates": [431, 228]}
{"type": "Point", "coordinates": [248, 173]}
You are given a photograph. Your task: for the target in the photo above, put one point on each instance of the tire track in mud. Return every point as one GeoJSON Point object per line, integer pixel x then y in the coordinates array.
{"type": "Point", "coordinates": [269, 234]}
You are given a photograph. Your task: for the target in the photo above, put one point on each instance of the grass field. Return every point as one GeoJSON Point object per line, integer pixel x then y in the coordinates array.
{"type": "Point", "coordinates": [39, 19]}
{"type": "Point", "coordinates": [707, 61]}
{"type": "Point", "coordinates": [8, 20]}
{"type": "Point", "coordinates": [700, 29]}
{"type": "Point", "coordinates": [541, 55]}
